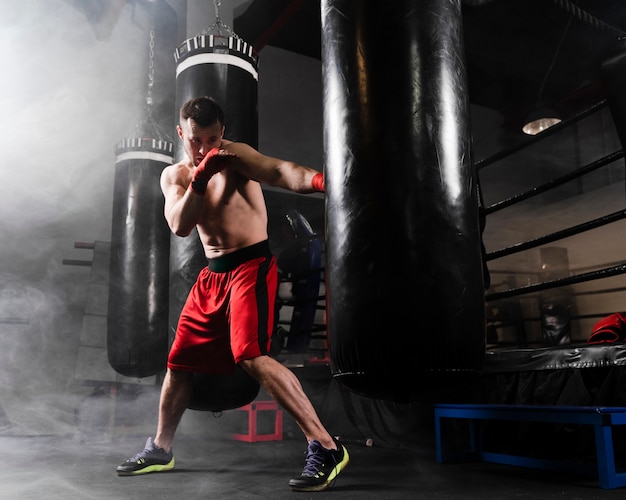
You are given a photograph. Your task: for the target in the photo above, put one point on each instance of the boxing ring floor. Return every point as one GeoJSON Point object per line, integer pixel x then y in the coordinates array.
{"type": "Point", "coordinates": [54, 467]}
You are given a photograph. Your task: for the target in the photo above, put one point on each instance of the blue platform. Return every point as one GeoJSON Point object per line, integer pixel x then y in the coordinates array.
{"type": "Point", "coordinates": [601, 418]}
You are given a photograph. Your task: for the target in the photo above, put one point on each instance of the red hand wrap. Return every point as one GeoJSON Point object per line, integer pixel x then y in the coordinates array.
{"type": "Point", "coordinates": [317, 182]}
{"type": "Point", "coordinates": [211, 164]}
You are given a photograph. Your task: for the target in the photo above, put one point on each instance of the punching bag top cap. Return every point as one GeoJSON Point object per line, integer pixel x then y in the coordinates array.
{"type": "Point", "coordinates": [215, 43]}
{"type": "Point", "coordinates": [144, 144]}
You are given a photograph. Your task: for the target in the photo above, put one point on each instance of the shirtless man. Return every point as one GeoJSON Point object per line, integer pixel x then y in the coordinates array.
{"type": "Point", "coordinates": [228, 318]}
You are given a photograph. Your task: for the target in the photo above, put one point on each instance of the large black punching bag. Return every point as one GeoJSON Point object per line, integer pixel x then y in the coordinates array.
{"type": "Point", "coordinates": [404, 269]}
{"type": "Point", "coordinates": [225, 68]}
{"type": "Point", "coordinates": [137, 321]}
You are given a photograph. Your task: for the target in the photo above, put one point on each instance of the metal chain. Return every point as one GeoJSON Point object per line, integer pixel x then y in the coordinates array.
{"type": "Point", "coordinates": [148, 125]}
{"type": "Point", "coordinates": [218, 25]}
{"type": "Point", "coordinates": [584, 16]}
{"type": "Point", "coordinates": [149, 99]}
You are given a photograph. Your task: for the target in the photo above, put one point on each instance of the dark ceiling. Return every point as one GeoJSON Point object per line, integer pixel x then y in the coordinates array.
{"type": "Point", "coordinates": [518, 52]}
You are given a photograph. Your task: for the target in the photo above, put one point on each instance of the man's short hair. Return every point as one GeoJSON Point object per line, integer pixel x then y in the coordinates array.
{"type": "Point", "coordinates": [203, 110]}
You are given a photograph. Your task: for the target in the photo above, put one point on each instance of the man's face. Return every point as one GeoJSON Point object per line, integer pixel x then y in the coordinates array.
{"type": "Point", "coordinates": [197, 140]}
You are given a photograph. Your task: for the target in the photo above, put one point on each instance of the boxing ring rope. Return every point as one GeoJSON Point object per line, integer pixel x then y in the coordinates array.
{"type": "Point", "coordinates": [549, 238]}
{"type": "Point", "coordinates": [546, 285]}
{"type": "Point", "coordinates": [485, 162]}
{"type": "Point", "coordinates": [555, 182]}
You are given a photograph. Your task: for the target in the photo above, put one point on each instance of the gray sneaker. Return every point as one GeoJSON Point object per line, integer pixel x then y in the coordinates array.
{"type": "Point", "coordinates": [151, 459]}
{"type": "Point", "coordinates": [321, 468]}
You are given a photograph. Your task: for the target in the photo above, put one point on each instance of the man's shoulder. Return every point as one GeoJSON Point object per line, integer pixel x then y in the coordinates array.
{"type": "Point", "coordinates": [181, 166]}
{"type": "Point", "coordinates": [236, 146]}
{"type": "Point", "coordinates": [176, 171]}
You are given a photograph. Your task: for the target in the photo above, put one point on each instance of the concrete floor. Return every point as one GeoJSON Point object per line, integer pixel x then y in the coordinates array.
{"type": "Point", "coordinates": [210, 466]}
{"type": "Point", "coordinates": [59, 447]}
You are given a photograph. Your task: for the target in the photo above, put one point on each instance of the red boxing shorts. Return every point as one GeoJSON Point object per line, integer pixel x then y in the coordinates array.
{"type": "Point", "coordinates": [229, 313]}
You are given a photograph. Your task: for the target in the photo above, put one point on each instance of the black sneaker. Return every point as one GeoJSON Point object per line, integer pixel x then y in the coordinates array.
{"type": "Point", "coordinates": [151, 459]}
{"type": "Point", "coordinates": [321, 468]}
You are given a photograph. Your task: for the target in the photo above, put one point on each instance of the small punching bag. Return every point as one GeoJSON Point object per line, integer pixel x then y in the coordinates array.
{"type": "Point", "coordinates": [404, 268]}
{"type": "Point", "coordinates": [224, 68]}
{"type": "Point", "coordinates": [137, 337]}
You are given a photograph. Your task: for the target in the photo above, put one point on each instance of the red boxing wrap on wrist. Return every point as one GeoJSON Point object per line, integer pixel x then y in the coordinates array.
{"type": "Point", "coordinates": [213, 162]}
{"type": "Point", "coordinates": [317, 182]}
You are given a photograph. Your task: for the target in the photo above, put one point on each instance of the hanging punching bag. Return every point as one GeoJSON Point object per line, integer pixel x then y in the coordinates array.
{"type": "Point", "coordinates": [225, 68]}
{"type": "Point", "coordinates": [404, 269]}
{"type": "Point", "coordinates": [137, 322]}
{"type": "Point", "coordinates": [137, 330]}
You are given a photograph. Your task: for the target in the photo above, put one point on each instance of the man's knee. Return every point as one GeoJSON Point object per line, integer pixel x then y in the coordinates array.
{"type": "Point", "coordinates": [258, 365]}
{"type": "Point", "coordinates": [179, 376]}
{"type": "Point", "coordinates": [250, 363]}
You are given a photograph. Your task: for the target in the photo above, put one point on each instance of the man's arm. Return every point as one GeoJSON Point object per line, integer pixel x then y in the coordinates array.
{"type": "Point", "coordinates": [182, 206]}
{"type": "Point", "coordinates": [274, 171]}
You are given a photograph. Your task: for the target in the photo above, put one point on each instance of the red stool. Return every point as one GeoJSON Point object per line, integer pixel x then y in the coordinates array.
{"type": "Point", "coordinates": [253, 436]}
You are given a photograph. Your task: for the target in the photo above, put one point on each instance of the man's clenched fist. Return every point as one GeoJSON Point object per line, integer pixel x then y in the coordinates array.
{"type": "Point", "coordinates": [214, 161]}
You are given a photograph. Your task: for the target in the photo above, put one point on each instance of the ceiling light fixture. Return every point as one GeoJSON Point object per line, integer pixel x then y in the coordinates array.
{"type": "Point", "coordinates": [542, 117]}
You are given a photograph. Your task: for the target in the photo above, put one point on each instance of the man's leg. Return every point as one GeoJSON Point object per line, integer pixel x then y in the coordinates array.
{"type": "Point", "coordinates": [325, 457]}
{"type": "Point", "coordinates": [157, 455]}
{"type": "Point", "coordinates": [175, 395]}
{"type": "Point", "coordinates": [285, 388]}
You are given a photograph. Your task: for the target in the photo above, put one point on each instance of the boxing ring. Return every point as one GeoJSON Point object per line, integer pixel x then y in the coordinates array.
{"type": "Point", "coordinates": [548, 291]}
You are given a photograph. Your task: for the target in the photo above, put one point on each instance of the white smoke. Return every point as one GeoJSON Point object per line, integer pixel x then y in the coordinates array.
{"type": "Point", "coordinates": [66, 99]}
